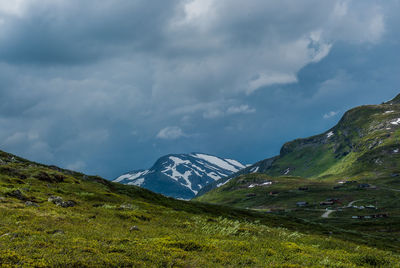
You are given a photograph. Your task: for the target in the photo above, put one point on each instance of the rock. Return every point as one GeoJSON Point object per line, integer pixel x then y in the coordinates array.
{"type": "Point", "coordinates": [55, 199]}
{"type": "Point", "coordinates": [58, 178]}
{"type": "Point", "coordinates": [2, 199]}
{"type": "Point", "coordinates": [31, 204]}
{"type": "Point", "coordinates": [17, 194]}
{"type": "Point", "coordinates": [134, 228]}
{"type": "Point", "coordinates": [126, 206]}
{"type": "Point", "coordinates": [67, 204]}
{"type": "Point", "coordinates": [43, 176]}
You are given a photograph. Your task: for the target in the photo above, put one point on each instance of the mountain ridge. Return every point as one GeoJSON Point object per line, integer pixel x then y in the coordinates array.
{"type": "Point", "coordinates": [362, 131]}
{"type": "Point", "coordinates": [181, 175]}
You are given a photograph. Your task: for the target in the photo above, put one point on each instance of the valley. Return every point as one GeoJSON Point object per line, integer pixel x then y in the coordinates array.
{"type": "Point", "coordinates": [56, 217]}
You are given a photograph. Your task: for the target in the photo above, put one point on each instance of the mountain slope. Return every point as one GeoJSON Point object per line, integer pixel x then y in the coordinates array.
{"type": "Point", "coordinates": [347, 176]}
{"type": "Point", "coordinates": [365, 141]}
{"type": "Point", "coordinates": [181, 175]}
{"type": "Point", "coordinates": [106, 224]}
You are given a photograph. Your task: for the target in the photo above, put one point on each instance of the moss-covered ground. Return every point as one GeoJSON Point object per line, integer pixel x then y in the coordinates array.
{"type": "Point", "coordinates": [113, 225]}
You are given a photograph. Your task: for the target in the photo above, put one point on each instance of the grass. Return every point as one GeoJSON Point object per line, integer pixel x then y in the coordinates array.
{"type": "Point", "coordinates": [118, 225]}
{"type": "Point", "coordinates": [281, 198]}
{"type": "Point", "coordinates": [364, 140]}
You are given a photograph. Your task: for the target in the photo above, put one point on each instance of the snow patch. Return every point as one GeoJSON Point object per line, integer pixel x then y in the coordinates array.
{"type": "Point", "coordinates": [286, 171]}
{"type": "Point", "coordinates": [131, 176]}
{"type": "Point", "coordinates": [176, 175]}
{"type": "Point", "coordinates": [137, 182]}
{"type": "Point", "coordinates": [214, 176]}
{"type": "Point", "coordinates": [389, 112]}
{"type": "Point", "coordinates": [254, 169]}
{"type": "Point", "coordinates": [395, 122]}
{"type": "Point", "coordinates": [258, 184]}
{"type": "Point", "coordinates": [222, 183]}
{"type": "Point", "coordinates": [395, 151]}
{"type": "Point", "coordinates": [179, 161]}
{"type": "Point", "coordinates": [235, 163]}
{"type": "Point", "coordinates": [217, 161]}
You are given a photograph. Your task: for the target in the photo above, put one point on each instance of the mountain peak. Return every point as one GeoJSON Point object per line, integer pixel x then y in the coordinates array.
{"type": "Point", "coordinates": [182, 175]}
{"type": "Point", "coordinates": [395, 100]}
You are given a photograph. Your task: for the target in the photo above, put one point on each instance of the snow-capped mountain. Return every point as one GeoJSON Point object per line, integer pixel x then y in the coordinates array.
{"type": "Point", "coordinates": [181, 175]}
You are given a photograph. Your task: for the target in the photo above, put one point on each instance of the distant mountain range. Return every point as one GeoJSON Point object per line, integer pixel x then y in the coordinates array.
{"type": "Point", "coordinates": [182, 175]}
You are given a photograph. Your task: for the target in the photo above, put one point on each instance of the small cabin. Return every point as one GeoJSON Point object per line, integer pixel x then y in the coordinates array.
{"type": "Point", "coordinates": [364, 185]}
{"type": "Point", "coordinates": [326, 203]}
{"type": "Point", "coordinates": [302, 204]}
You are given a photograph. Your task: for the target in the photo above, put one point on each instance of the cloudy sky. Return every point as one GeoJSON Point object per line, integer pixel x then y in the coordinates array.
{"type": "Point", "coordinates": [108, 86]}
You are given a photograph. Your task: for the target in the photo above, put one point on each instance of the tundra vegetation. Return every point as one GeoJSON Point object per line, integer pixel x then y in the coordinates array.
{"type": "Point", "coordinates": [55, 217]}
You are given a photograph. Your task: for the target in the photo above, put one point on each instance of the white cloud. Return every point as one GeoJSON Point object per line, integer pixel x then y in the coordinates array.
{"type": "Point", "coordinates": [212, 113]}
{"type": "Point", "coordinates": [330, 114]}
{"type": "Point", "coordinates": [355, 21]}
{"type": "Point", "coordinates": [270, 78]}
{"type": "Point", "coordinates": [170, 133]}
{"type": "Point", "coordinates": [13, 7]}
{"type": "Point", "coordinates": [78, 77]}
{"type": "Point", "coordinates": [242, 109]}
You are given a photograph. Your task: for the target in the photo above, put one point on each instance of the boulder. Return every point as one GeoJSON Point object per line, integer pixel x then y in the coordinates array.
{"type": "Point", "coordinates": [17, 194]}
{"type": "Point", "coordinates": [55, 199]}
{"type": "Point", "coordinates": [67, 204]}
{"type": "Point", "coordinates": [31, 204]}
{"type": "Point", "coordinates": [134, 228]}
{"type": "Point", "coordinates": [43, 176]}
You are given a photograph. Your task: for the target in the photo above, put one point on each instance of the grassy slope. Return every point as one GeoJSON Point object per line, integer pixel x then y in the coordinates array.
{"type": "Point", "coordinates": [363, 141]}
{"type": "Point", "coordinates": [363, 148]}
{"type": "Point", "coordinates": [98, 230]}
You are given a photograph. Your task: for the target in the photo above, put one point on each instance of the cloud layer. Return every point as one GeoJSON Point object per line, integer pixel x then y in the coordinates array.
{"type": "Point", "coordinates": [111, 85]}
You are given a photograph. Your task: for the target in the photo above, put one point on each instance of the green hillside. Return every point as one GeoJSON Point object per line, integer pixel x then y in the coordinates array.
{"type": "Point", "coordinates": [356, 164]}
{"type": "Point", "coordinates": [283, 195]}
{"type": "Point", "coordinates": [366, 140]}
{"type": "Point", "coordinates": [54, 217]}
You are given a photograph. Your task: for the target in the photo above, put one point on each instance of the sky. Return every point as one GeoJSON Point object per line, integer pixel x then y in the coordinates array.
{"type": "Point", "coordinates": [105, 87]}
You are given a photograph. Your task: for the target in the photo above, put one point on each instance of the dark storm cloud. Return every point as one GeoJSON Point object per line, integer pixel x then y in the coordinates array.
{"type": "Point", "coordinates": [64, 32]}
{"type": "Point", "coordinates": [108, 86]}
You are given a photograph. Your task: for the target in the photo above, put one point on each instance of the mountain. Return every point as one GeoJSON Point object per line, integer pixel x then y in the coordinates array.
{"type": "Point", "coordinates": [365, 141]}
{"type": "Point", "coordinates": [181, 175]}
{"type": "Point", "coordinates": [348, 176]}
{"type": "Point", "coordinates": [52, 217]}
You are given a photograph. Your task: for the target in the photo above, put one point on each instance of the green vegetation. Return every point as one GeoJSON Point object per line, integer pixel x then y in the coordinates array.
{"type": "Point", "coordinates": [300, 213]}
{"type": "Point", "coordinates": [282, 196]}
{"type": "Point", "coordinates": [116, 225]}
{"type": "Point", "coordinates": [365, 140]}
{"type": "Point", "coordinates": [308, 178]}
